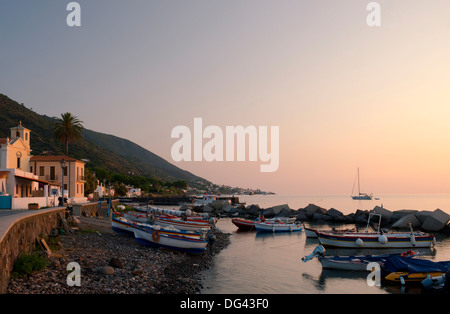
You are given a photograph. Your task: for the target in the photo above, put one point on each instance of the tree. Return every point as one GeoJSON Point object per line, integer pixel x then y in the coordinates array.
{"type": "Point", "coordinates": [68, 129]}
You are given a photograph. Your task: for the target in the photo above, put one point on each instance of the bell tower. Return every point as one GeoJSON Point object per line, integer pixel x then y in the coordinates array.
{"type": "Point", "coordinates": [23, 133]}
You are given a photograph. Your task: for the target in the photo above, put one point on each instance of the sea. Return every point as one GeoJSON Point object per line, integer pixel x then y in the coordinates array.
{"type": "Point", "coordinates": [256, 263]}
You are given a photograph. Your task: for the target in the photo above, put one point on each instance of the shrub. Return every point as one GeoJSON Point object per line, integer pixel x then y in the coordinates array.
{"type": "Point", "coordinates": [28, 263]}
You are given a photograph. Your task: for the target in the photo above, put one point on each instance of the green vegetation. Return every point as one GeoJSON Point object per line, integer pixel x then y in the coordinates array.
{"type": "Point", "coordinates": [119, 181]}
{"type": "Point", "coordinates": [28, 263]}
{"type": "Point", "coordinates": [123, 160]}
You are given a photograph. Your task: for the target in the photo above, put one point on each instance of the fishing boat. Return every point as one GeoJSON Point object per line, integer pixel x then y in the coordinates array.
{"type": "Point", "coordinates": [360, 196]}
{"type": "Point", "coordinates": [248, 225]}
{"type": "Point", "coordinates": [151, 235]}
{"type": "Point", "coordinates": [273, 226]}
{"type": "Point", "coordinates": [353, 263]}
{"type": "Point", "coordinates": [181, 224]}
{"type": "Point", "coordinates": [124, 226]}
{"type": "Point", "coordinates": [403, 270]}
{"type": "Point", "coordinates": [312, 233]}
{"type": "Point", "coordinates": [377, 239]}
{"type": "Point", "coordinates": [244, 224]}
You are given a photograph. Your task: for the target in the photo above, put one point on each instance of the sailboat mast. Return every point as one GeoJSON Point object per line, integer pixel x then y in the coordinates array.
{"type": "Point", "coordinates": [359, 192]}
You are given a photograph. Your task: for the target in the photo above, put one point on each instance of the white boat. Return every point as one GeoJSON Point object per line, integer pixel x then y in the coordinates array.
{"type": "Point", "coordinates": [377, 239]}
{"type": "Point", "coordinates": [124, 226]}
{"type": "Point", "coordinates": [151, 236]}
{"type": "Point", "coordinates": [354, 263]}
{"type": "Point", "coordinates": [360, 196]}
{"type": "Point", "coordinates": [181, 224]}
{"type": "Point", "coordinates": [269, 226]}
{"type": "Point", "coordinates": [312, 233]}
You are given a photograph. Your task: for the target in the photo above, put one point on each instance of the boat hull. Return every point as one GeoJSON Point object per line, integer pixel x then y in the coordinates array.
{"type": "Point", "coordinates": [147, 237]}
{"type": "Point", "coordinates": [369, 240]}
{"type": "Point", "coordinates": [183, 225]}
{"type": "Point", "coordinates": [243, 224]}
{"type": "Point", "coordinates": [275, 227]}
{"type": "Point", "coordinates": [310, 233]}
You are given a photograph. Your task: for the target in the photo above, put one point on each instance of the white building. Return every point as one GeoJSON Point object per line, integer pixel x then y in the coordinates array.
{"type": "Point", "coordinates": [20, 184]}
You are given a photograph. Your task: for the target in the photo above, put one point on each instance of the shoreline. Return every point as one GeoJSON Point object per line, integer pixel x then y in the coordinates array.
{"type": "Point", "coordinates": [116, 264]}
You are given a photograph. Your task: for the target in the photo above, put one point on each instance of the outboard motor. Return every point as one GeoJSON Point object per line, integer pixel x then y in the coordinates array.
{"type": "Point", "coordinates": [318, 251]}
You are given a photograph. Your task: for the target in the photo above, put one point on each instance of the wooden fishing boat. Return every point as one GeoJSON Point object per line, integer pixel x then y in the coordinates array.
{"type": "Point", "coordinates": [353, 263]}
{"type": "Point", "coordinates": [312, 233]}
{"type": "Point", "coordinates": [152, 236]}
{"type": "Point", "coordinates": [125, 227]}
{"type": "Point", "coordinates": [181, 224]}
{"type": "Point", "coordinates": [248, 225]}
{"type": "Point", "coordinates": [378, 239]}
{"type": "Point", "coordinates": [244, 224]}
{"type": "Point", "coordinates": [269, 226]}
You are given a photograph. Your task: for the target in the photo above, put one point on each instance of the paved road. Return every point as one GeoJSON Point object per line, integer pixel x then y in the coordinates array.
{"type": "Point", "coordinates": [9, 217]}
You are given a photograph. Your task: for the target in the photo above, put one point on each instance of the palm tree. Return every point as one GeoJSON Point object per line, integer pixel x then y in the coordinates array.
{"type": "Point", "coordinates": [68, 129]}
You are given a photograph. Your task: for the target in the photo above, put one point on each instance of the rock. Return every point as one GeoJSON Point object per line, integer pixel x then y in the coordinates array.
{"type": "Point", "coordinates": [218, 204]}
{"type": "Point", "coordinates": [405, 221]}
{"type": "Point", "coordinates": [385, 214]}
{"type": "Point", "coordinates": [279, 208]}
{"type": "Point", "coordinates": [311, 209]}
{"type": "Point", "coordinates": [396, 215]}
{"type": "Point", "coordinates": [253, 209]}
{"type": "Point", "coordinates": [208, 209]}
{"type": "Point", "coordinates": [319, 216]}
{"type": "Point", "coordinates": [422, 215]}
{"type": "Point", "coordinates": [285, 212]}
{"type": "Point", "coordinates": [301, 216]}
{"type": "Point", "coordinates": [436, 221]}
{"type": "Point", "coordinates": [227, 208]}
{"type": "Point", "coordinates": [116, 262]}
{"type": "Point", "coordinates": [106, 270]}
{"type": "Point", "coordinates": [335, 214]}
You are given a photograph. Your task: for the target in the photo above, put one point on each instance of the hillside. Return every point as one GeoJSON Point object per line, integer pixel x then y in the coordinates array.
{"type": "Point", "coordinates": [102, 150]}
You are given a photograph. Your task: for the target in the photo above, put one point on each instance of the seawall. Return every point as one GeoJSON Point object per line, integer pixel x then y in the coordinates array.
{"type": "Point", "coordinates": [18, 233]}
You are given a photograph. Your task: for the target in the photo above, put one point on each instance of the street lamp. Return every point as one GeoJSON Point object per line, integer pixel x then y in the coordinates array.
{"type": "Point", "coordinates": [63, 166]}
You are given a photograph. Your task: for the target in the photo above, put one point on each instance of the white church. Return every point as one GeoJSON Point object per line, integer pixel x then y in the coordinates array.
{"type": "Point", "coordinates": [27, 179]}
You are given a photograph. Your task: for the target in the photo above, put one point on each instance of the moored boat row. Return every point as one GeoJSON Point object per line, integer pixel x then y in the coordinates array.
{"type": "Point", "coordinates": [164, 232]}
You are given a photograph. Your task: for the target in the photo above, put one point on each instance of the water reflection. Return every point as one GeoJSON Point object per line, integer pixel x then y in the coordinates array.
{"type": "Point", "coordinates": [271, 263]}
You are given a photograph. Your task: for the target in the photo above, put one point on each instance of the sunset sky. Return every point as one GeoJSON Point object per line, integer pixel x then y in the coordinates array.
{"type": "Point", "coordinates": [344, 95]}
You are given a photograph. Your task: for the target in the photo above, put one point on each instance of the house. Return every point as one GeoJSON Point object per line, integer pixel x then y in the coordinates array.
{"type": "Point", "coordinates": [70, 174]}
{"type": "Point", "coordinates": [20, 182]}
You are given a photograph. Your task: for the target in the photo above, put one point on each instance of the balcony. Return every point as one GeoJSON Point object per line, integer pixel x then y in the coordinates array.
{"type": "Point", "coordinates": [50, 178]}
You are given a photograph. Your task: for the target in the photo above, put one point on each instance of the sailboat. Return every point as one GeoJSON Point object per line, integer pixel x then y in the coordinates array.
{"type": "Point", "coordinates": [360, 196]}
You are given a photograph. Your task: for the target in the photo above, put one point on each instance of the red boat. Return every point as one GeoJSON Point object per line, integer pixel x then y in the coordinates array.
{"type": "Point", "coordinates": [244, 224]}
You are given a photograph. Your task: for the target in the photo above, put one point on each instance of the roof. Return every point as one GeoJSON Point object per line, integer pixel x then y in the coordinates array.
{"type": "Point", "coordinates": [37, 180]}
{"type": "Point", "coordinates": [3, 140]}
{"type": "Point", "coordinates": [50, 158]}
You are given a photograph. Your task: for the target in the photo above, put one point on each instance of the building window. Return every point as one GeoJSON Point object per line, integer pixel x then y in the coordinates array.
{"type": "Point", "coordinates": [26, 136]}
{"type": "Point", "coordinates": [78, 186]}
{"type": "Point", "coordinates": [17, 189]}
{"type": "Point", "coordinates": [41, 171]}
{"type": "Point", "coordinates": [18, 162]}
{"type": "Point", "coordinates": [52, 173]}
{"type": "Point", "coordinates": [65, 171]}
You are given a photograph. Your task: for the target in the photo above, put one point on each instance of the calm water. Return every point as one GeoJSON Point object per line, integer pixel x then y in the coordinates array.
{"type": "Point", "coordinates": [271, 263]}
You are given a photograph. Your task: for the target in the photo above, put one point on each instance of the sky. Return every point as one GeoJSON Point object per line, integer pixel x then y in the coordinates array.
{"type": "Point", "coordinates": [343, 94]}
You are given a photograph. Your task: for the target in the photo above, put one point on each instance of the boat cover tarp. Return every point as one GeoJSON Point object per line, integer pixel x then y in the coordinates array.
{"type": "Point", "coordinates": [414, 265]}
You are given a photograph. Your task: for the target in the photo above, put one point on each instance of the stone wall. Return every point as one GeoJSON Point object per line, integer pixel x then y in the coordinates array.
{"type": "Point", "coordinates": [21, 239]}
{"type": "Point", "coordinates": [93, 209]}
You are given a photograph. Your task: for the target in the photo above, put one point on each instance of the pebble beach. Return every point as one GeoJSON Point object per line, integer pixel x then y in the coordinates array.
{"type": "Point", "coordinates": [116, 264]}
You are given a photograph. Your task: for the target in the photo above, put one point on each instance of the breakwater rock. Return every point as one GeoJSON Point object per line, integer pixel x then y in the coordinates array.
{"type": "Point", "coordinates": [431, 221]}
